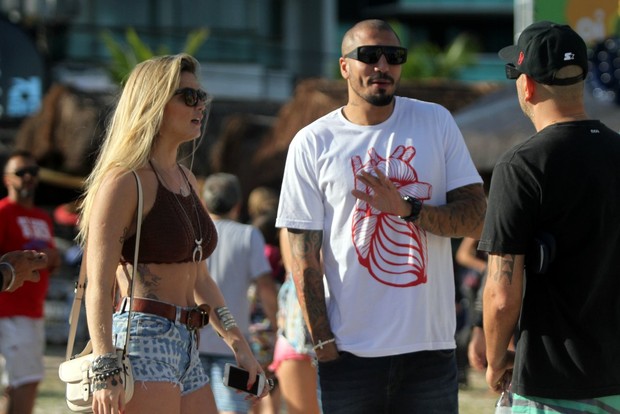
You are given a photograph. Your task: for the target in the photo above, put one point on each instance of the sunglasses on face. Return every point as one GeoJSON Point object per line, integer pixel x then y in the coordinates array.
{"type": "Point", "coordinates": [32, 171]}
{"type": "Point", "coordinates": [512, 72]}
{"type": "Point", "coordinates": [395, 55]}
{"type": "Point", "coordinates": [192, 96]}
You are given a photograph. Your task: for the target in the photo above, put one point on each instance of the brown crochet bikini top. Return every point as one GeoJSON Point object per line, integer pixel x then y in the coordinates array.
{"type": "Point", "coordinates": [166, 236]}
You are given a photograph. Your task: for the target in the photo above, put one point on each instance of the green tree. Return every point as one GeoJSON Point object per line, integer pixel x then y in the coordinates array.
{"type": "Point", "coordinates": [427, 61]}
{"type": "Point", "coordinates": [125, 56]}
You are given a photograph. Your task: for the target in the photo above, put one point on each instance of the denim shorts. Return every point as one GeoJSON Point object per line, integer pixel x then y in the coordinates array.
{"type": "Point", "coordinates": [418, 382]}
{"type": "Point", "coordinates": [161, 350]}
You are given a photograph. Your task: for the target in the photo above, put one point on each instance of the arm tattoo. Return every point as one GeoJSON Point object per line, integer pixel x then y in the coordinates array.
{"type": "Point", "coordinates": [506, 268]}
{"type": "Point", "coordinates": [308, 276]}
{"type": "Point", "coordinates": [462, 215]}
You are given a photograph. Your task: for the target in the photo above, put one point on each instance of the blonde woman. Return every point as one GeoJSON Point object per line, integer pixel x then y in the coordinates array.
{"type": "Point", "coordinates": [160, 108]}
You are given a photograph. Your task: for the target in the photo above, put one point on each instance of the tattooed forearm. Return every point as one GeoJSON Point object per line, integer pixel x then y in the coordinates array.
{"type": "Point", "coordinates": [505, 269]}
{"type": "Point", "coordinates": [305, 244]}
{"type": "Point", "coordinates": [462, 215]}
{"type": "Point", "coordinates": [308, 277]}
{"type": "Point", "coordinates": [313, 294]}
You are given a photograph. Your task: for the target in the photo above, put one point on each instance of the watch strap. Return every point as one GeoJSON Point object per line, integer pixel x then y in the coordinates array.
{"type": "Point", "coordinates": [416, 208]}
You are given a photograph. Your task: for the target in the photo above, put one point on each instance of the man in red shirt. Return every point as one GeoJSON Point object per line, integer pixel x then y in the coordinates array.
{"type": "Point", "coordinates": [23, 226]}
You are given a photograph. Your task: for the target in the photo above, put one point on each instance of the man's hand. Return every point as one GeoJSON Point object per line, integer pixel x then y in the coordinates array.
{"type": "Point", "coordinates": [499, 377]}
{"type": "Point", "coordinates": [385, 196]}
{"type": "Point", "coordinates": [27, 264]}
{"type": "Point", "coordinates": [476, 350]}
{"type": "Point", "coordinates": [328, 353]}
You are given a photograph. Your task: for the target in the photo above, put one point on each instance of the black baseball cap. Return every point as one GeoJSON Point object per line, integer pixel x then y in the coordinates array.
{"type": "Point", "coordinates": [544, 48]}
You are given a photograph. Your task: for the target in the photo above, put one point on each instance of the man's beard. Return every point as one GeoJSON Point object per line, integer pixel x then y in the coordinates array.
{"type": "Point", "coordinates": [382, 99]}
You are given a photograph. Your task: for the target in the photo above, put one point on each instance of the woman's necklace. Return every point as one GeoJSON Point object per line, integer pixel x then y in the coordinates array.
{"type": "Point", "coordinates": [197, 253]}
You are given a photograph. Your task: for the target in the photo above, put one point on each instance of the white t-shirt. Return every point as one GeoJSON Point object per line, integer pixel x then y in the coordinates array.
{"type": "Point", "coordinates": [391, 284]}
{"type": "Point", "coordinates": [234, 265]}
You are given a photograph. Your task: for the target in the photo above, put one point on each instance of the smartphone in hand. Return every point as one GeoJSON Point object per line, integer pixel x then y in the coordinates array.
{"type": "Point", "coordinates": [237, 378]}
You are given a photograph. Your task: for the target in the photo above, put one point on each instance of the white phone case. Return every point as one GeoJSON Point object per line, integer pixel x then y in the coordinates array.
{"type": "Point", "coordinates": [237, 378]}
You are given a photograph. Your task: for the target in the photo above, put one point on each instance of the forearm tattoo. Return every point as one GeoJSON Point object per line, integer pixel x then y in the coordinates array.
{"type": "Point", "coordinates": [462, 215]}
{"type": "Point", "coordinates": [306, 248]}
{"type": "Point", "coordinates": [505, 268]}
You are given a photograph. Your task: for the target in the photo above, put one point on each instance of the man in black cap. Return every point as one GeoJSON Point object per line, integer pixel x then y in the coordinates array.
{"type": "Point", "coordinates": [563, 182]}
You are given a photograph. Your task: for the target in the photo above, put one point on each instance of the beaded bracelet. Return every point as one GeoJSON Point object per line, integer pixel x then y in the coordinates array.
{"type": "Point", "coordinates": [12, 270]}
{"type": "Point", "coordinates": [105, 375]}
{"type": "Point", "coordinates": [101, 381]}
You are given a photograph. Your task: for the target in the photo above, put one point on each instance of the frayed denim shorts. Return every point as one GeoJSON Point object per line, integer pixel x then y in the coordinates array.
{"type": "Point", "coordinates": [161, 350]}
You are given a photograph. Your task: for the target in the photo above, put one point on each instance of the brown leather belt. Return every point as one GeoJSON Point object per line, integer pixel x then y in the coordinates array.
{"type": "Point", "coordinates": [194, 318]}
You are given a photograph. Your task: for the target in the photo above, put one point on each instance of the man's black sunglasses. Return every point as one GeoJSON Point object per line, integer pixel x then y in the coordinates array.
{"type": "Point", "coordinates": [395, 55]}
{"type": "Point", "coordinates": [512, 72]}
{"type": "Point", "coordinates": [32, 171]}
{"type": "Point", "coordinates": [193, 96]}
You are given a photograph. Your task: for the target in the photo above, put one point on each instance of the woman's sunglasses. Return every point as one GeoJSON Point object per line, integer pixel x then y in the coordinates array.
{"type": "Point", "coordinates": [192, 96]}
{"type": "Point", "coordinates": [395, 55]}
{"type": "Point", "coordinates": [32, 171]}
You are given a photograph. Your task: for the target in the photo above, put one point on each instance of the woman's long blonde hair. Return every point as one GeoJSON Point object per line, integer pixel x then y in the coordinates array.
{"type": "Point", "coordinates": [135, 123]}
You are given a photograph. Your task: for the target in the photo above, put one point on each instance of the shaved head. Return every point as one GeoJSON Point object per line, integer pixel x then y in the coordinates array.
{"type": "Point", "coordinates": [351, 38]}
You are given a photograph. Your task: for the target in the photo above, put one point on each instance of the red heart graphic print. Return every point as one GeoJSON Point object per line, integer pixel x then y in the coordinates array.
{"type": "Point", "coordinates": [393, 251]}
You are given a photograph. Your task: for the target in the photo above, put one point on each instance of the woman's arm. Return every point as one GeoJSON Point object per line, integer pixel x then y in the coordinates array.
{"type": "Point", "coordinates": [207, 292]}
{"type": "Point", "coordinates": [466, 255]}
{"type": "Point", "coordinates": [110, 220]}
{"type": "Point", "coordinates": [109, 224]}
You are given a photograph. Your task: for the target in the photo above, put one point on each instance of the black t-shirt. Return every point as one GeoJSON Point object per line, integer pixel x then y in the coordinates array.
{"type": "Point", "coordinates": [565, 180]}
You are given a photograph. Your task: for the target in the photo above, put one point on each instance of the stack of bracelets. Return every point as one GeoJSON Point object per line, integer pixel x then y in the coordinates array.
{"type": "Point", "coordinates": [228, 321]}
{"type": "Point", "coordinates": [106, 366]}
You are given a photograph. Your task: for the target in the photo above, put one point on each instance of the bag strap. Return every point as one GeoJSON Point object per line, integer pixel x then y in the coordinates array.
{"type": "Point", "coordinates": [135, 256]}
{"type": "Point", "coordinates": [80, 286]}
{"type": "Point", "coordinates": [74, 316]}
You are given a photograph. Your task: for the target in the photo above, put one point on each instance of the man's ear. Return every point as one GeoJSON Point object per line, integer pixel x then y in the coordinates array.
{"type": "Point", "coordinates": [529, 86]}
{"type": "Point", "coordinates": [344, 68]}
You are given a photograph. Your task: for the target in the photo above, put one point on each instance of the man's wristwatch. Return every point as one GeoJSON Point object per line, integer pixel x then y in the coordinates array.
{"type": "Point", "coordinates": [416, 207]}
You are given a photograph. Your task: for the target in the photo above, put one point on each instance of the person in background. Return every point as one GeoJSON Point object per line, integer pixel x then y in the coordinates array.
{"type": "Point", "coordinates": [379, 187]}
{"type": "Point", "coordinates": [24, 226]}
{"type": "Point", "coordinates": [161, 107]}
{"type": "Point", "coordinates": [262, 209]}
{"type": "Point", "coordinates": [262, 201]}
{"type": "Point", "coordinates": [236, 264]}
{"type": "Point", "coordinates": [475, 262]}
{"type": "Point", "coordinates": [552, 232]}
{"type": "Point", "coordinates": [472, 266]}
{"type": "Point", "coordinates": [19, 267]}
{"type": "Point", "coordinates": [293, 359]}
